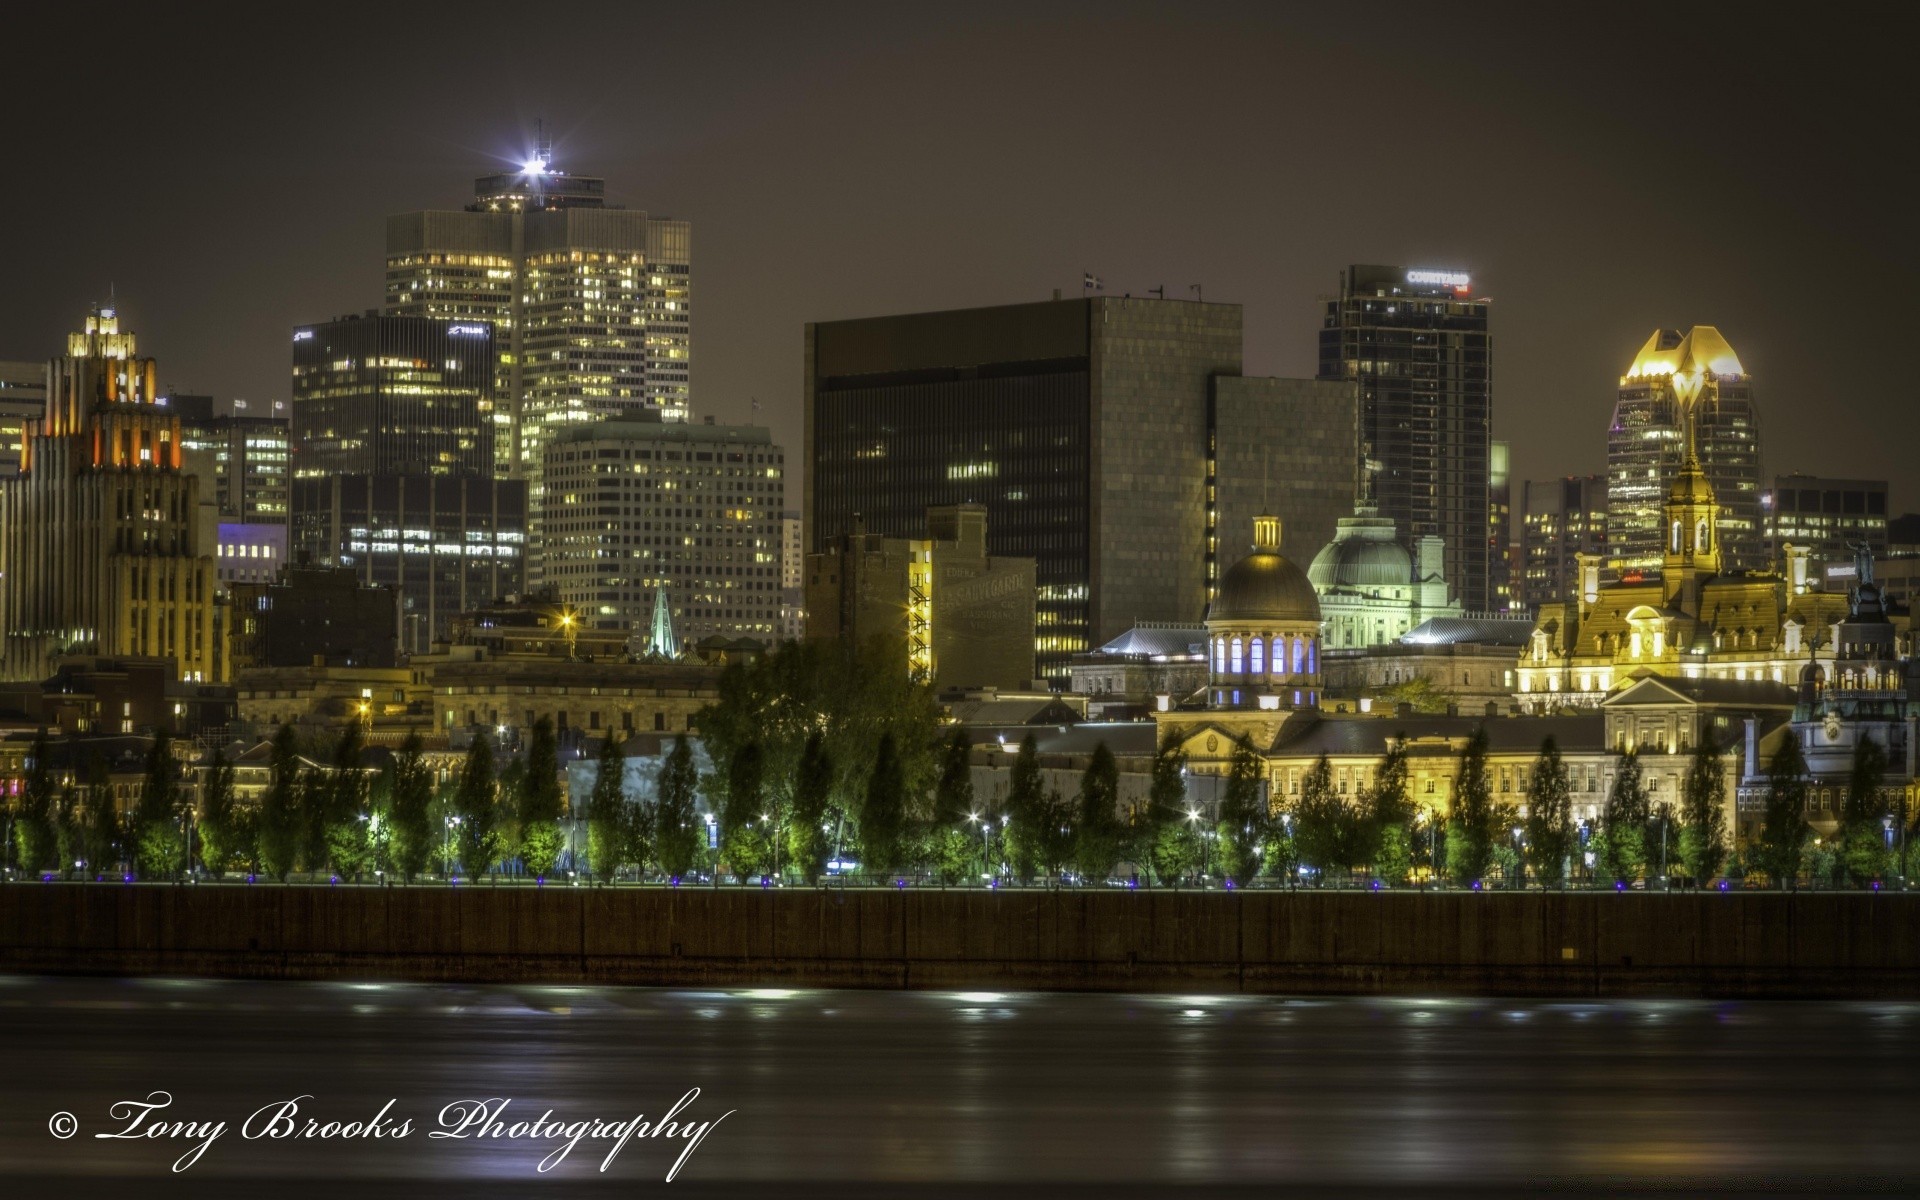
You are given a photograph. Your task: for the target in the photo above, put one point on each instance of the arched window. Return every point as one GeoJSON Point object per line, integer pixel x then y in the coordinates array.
{"type": "Point", "coordinates": [1313, 656]}
{"type": "Point", "coordinates": [1299, 655]}
{"type": "Point", "coordinates": [1219, 656]}
{"type": "Point", "coordinates": [1700, 536]}
{"type": "Point", "coordinates": [1256, 657]}
{"type": "Point", "coordinates": [1233, 656]}
{"type": "Point", "coordinates": [1676, 537]}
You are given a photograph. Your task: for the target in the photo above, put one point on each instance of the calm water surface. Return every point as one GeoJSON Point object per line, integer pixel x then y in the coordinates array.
{"type": "Point", "coordinates": [884, 1093]}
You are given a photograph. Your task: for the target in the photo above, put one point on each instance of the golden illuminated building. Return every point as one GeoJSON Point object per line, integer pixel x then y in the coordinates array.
{"type": "Point", "coordinates": [1693, 618]}
{"type": "Point", "coordinates": [99, 534]}
{"type": "Point", "coordinates": [1644, 447]}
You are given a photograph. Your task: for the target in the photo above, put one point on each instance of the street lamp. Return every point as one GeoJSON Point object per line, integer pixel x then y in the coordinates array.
{"type": "Point", "coordinates": [1519, 866]}
{"type": "Point", "coordinates": [446, 848]}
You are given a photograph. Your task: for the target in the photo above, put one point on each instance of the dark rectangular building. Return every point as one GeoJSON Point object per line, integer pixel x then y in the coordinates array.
{"type": "Point", "coordinates": [1419, 349]}
{"type": "Point", "coordinates": [309, 615]}
{"type": "Point", "coordinates": [1560, 519]}
{"type": "Point", "coordinates": [1110, 439]}
{"type": "Point", "coordinates": [444, 544]}
{"type": "Point", "coordinates": [1828, 516]}
{"type": "Point", "coordinates": [376, 395]}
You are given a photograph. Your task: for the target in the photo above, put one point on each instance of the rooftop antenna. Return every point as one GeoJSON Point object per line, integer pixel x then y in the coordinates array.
{"type": "Point", "coordinates": [1195, 289]}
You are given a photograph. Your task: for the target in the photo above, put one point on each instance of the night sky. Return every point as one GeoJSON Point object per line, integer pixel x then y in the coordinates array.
{"type": "Point", "coordinates": [1632, 168]}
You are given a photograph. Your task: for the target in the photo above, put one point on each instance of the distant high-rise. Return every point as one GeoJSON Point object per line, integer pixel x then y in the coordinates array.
{"type": "Point", "coordinates": [1644, 448]}
{"type": "Point", "coordinates": [1113, 440]}
{"type": "Point", "coordinates": [1560, 519]}
{"type": "Point", "coordinates": [644, 509]}
{"type": "Point", "coordinates": [1829, 517]}
{"type": "Point", "coordinates": [241, 459]}
{"type": "Point", "coordinates": [100, 548]}
{"type": "Point", "coordinates": [1501, 592]}
{"type": "Point", "coordinates": [1419, 348]}
{"type": "Point", "coordinates": [382, 395]}
{"type": "Point", "coordinates": [23, 400]}
{"type": "Point", "coordinates": [591, 303]}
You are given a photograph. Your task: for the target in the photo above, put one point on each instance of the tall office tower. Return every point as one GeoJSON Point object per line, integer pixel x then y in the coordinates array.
{"type": "Point", "coordinates": [446, 544]}
{"type": "Point", "coordinates": [99, 534]}
{"type": "Point", "coordinates": [1500, 589]}
{"type": "Point", "coordinates": [1113, 440]}
{"type": "Point", "coordinates": [1644, 452]}
{"type": "Point", "coordinates": [641, 505]}
{"type": "Point", "coordinates": [242, 465]}
{"type": "Point", "coordinates": [1828, 517]}
{"type": "Point", "coordinates": [378, 395]}
{"type": "Point", "coordinates": [591, 303]}
{"type": "Point", "coordinates": [1560, 519]}
{"type": "Point", "coordinates": [793, 567]}
{"type": "Point", "coordinates": [23, 400]}
{"type": "Point", "coordinates": [1421, 353]}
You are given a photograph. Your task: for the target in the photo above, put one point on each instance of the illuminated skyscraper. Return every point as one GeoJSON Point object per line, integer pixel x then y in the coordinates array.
{"type": "Point", "coordinates": [590, 303]}
{"type": "Point", "coordinates": [1644, 449]}
{"type": "Point", "coordinates": [1560, 519]}
{"type": "Point", "coordinates": [23, 400]}
{"type": "Point", "coordinates": [1419, 348]}
{"type": "Point", "coordinates": [378, 395]}
{"type": "Point", "coordinates": [100, 533]}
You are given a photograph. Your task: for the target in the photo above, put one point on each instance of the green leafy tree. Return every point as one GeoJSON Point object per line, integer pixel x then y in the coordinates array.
{"type": "Point", "coordinates": [1863, 849]}
{"type": "Point", "coordinates": [410, 810]}
{"type": "Point", "coordinates": [539, 802]}
{"type": "Point", "coordinates": [478, 838]}
{"type": "Point", "coordinates": [746, 838]}
{"type": "Point", "coordinates": [280, 816]}
{"type": "Point", "coordinates": [223, 825]}
{"type": "Point", "coordinates": [35, 829]}
{"type": "Point", "coordinates": [1319, 820]}
{"type": "Point", "coordinates": [348, 815]}
{"type": "Point", "coordinates": [1783, 827]}
{"type": "Point", "coordinates": [1098, 832]}
{"type": "Point", "coordinates": [607, 820]}
{"type": "Point", "coordinates": [1172, 843]}
{"type": "Point", "coordinates": [812, 793]}
{"type": "Point", "coordinates": [70, 829]}
{"type": "Point", "coordinates": [1055, 841]}
{"type": "Point", "coordinates": [157, 834]}
{"type": "Point", "coordinates": [1703, 819]}
{"type": "Point", "coordinates": [1027, 816]}
{"type": "Point", "coordinates": [1623, 824]}
{"type": "Point", "coordinates": [953, 800]}
{"type": "Point", "coordinates": [1243, 815]}
{"type": "Point", "coordinates": [1389, 805]}
{"type": "Point", "coordinates": [883, 815]}
{"type": "Point", "coordinates": [678, 834]}
{"type": "Point", "coordinates": [1472, 829]}
{"type": "Point", "coordinates": [849, 695]}
{"type": "Point", "coordinates": [1550, 831]}
{"type": "Point", "coordinates": [104, 828]}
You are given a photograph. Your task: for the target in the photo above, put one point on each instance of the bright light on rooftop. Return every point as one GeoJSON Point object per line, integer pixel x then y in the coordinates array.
{"type": "Point", "coordinates": [535, 166]}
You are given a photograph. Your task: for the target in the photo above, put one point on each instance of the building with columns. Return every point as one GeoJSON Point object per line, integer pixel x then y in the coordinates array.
{"type": "Point", "coordinates": [100, 539]}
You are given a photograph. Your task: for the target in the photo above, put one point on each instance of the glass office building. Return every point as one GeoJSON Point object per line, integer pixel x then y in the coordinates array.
{"type": "Point", "coordinates": [1419, 348]}
{"type": "Point", "coordinates": [375, 395]}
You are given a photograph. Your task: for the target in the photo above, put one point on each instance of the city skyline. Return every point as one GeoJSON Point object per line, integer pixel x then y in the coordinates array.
{"type": "Point", "coordinates": [872, 215]}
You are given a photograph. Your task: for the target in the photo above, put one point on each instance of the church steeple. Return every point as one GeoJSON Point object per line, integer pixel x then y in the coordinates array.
{"type": "Point", "coordinates": [1692, 512]}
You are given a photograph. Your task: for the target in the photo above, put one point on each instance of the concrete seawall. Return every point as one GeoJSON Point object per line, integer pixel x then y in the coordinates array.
{"type": "Point", "coordinates": [1576, 944]}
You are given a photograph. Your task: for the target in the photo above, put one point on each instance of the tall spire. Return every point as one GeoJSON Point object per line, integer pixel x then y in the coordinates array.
{"type": "Point", "coordinates": [661, 640]}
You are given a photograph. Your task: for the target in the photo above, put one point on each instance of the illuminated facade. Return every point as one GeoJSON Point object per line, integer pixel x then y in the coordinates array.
{"type": "Point", "coordinates": [591, 303]}
{"type": "Point", "coordinates": [1420, 350]}
{"type": "Point", "coordinates": [1111, 440]}
{"type": "Point", "coordinates": [1560, 519]}
{"type": "Point", "coordinates": [1644, 448]}
{"type": "Point", "coordinates": [1694, 619]}
{"type": "Point", "coordinates": [100, 533]}
{"type": "Point", "coordinates": [964, 618]}
{"type": "Point", "coordinates": [641, 504]}
{"type": "Point", "coordinates": [1372, 592]}
{"type": "Point", "coordinates": [378, 395]}
{"type": "Point", "coordinates": [242, 464]}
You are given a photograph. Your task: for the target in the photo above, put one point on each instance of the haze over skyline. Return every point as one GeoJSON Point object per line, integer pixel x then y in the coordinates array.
{"type": "Point", "coordinates": [1599, 178]}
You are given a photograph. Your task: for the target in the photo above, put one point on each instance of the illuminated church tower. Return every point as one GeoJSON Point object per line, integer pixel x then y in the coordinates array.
{"type": "Point", "coordinates": [98, 534]}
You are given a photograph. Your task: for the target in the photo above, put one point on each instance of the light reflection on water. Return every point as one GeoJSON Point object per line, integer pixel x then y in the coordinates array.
{"type": "Point", "coordinates": [838, 1086]}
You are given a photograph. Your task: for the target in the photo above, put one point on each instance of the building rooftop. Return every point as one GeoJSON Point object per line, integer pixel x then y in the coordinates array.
{"type": "Point", "coordinates": [1484, 631]}
{"type": "Point", "coordinates": [1699, 349]}
{"type": "Point", "coordinates": [1159, 640]}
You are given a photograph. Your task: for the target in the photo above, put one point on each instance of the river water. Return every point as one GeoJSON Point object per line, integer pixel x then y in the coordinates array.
{"type": "Point", "coordinates": [884, 1093]}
